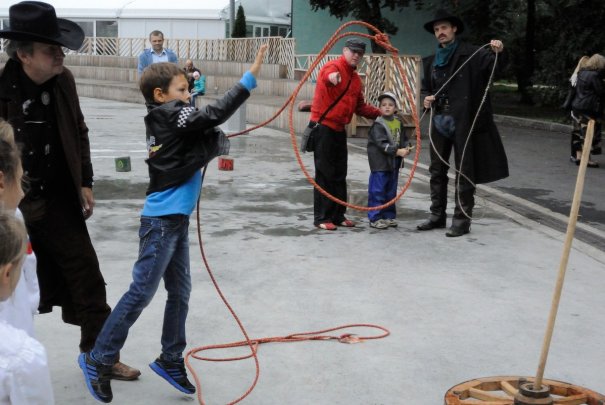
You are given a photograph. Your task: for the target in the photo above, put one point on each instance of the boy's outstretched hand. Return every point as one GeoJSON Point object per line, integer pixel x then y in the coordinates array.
{"type": "Point", "coordinates": [258, 61]}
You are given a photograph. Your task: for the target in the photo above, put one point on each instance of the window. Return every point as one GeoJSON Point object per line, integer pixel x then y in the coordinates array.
{"type": "Point", "coordinates": [88, 27]}
{"type": "Point", "coordinates": [274, 30]}
{"type": "Point", "coordinates": [283, 32]}
{"type": "Point", "coordinates": [257, 31]}
{"type": "Point", "coordinates": [249, 31]}
{"type": "Point", "coordinates": [107, 28]}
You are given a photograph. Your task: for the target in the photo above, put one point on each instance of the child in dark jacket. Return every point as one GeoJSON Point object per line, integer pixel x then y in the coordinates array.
{"type": "Point", "coordinates": [180, 141]}
{"type": "Point", "coordinates": [387, 145]}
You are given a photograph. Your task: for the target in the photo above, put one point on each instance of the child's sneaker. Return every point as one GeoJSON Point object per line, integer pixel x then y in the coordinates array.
{"type": "Point", "coordinates": [391, 222]}
{"type": "Point", "coordinates": [380, 224]}
{"type": "Point", "coordinates": [97, 376]}
{"type": "Point", "coordinates": [173, 372]}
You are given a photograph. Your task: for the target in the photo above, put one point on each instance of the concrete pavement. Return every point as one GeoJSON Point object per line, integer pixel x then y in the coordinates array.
{"type": "Point", "coordinates": [457, 309]}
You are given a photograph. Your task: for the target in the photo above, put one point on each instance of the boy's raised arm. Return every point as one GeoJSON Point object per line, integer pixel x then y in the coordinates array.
{"type": "Point", "coordinates": [258, 61]}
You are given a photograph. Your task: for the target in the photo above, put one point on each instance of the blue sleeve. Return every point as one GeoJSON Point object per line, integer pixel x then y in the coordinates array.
{"type": "Point", "coordinates": [142, 64]}
{"type": "Point", "coordinates": [248, 81]}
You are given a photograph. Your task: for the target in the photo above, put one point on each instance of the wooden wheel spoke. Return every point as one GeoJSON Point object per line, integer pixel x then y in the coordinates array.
{"type": "Point", "coordinates": [487, 395]}
{"type": "Point", "coordinates": [572, 400]}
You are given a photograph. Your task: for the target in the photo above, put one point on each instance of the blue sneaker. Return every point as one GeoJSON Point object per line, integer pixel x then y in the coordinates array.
{"type": "Point", "coordinates": [174, 372]}
{"type": "Point", "coordinates": [97, 376]}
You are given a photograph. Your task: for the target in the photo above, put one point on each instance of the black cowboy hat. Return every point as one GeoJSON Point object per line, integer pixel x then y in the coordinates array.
{"type": "Point", "coordinates": [36, 21]}
{"type": "Point", "coordinates": [442, 15]}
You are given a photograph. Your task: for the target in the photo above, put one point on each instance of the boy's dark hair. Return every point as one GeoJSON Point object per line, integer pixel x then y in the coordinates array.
{"type": "Point", "coordinates": [158, 75]}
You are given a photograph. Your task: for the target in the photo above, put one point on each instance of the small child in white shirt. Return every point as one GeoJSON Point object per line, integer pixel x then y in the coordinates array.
{"type": "Point", "coordinates": [24, 375]}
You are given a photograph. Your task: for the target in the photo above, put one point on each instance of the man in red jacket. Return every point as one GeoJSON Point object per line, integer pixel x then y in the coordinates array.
{"type": "Point", "coordinates": [339, 93]}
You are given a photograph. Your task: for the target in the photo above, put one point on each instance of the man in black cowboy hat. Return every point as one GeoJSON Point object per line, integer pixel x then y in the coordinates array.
{"type": "Point", "coordinates": [38, 98]}
{"type": "Point", "coordinates": [479, 156]}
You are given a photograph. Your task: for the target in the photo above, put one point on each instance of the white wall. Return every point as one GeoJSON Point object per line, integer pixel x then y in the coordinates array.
{"type": "Point", "coordinates": [172, 29]}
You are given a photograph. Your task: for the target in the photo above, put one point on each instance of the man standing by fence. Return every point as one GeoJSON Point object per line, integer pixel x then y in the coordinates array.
{"type": "Point", "coordinates": [157, 52]}
{"type": "Point", "coordinates": [338, 95]}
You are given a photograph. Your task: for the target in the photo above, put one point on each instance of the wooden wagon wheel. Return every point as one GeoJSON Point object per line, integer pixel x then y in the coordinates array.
{"type": "Point", "coordinates": [502, 391]}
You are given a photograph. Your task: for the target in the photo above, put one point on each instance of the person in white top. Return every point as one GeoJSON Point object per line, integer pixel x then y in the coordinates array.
{"type": "Point", "coordinates": [19, 310]}
{"type": "Point", "coordinates": [24, 374]}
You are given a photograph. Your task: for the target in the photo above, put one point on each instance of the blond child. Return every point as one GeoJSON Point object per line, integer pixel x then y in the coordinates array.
{"type": "Point", "coordinates": [387, 146]}
{"type": "Point", "coordinates": [24, 375]}
{"type": "Point", "coordinates": [20, 309]}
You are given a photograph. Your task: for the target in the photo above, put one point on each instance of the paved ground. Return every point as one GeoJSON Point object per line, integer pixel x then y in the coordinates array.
{"type": "Point", "coordinates": [457, 309]}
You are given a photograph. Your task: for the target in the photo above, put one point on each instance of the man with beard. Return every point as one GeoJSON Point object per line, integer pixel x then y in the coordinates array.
{"type": "Point", "coordinates": [480, 159]}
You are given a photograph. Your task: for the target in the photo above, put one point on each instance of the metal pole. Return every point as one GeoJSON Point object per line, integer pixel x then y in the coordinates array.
{"type": "Point", "coordinates": [231, 17]}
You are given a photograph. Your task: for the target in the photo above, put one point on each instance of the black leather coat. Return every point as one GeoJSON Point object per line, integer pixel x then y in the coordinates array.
{"type": "Point", "coordinates": [588, 99]}
{"type": "Point", "coordinates": [485, 159]}
{"type": "Point", "coordinates": [182, 139]}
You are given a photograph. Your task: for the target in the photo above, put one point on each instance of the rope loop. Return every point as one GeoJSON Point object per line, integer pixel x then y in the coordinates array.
{"type": "Point", "coordinates": [382, 40]}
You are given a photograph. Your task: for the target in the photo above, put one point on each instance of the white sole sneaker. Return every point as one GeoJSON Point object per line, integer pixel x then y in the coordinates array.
{"type": "Point", "coordinates": [380, 224]}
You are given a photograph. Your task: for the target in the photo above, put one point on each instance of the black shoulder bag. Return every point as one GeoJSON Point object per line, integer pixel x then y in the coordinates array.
{"type": "Point", "coordinates": [307, 141]}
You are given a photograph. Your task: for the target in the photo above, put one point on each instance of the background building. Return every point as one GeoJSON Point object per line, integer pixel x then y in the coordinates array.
{"type": "Point", "coordinates": [312, 29]}
{"type": "Point", "coordinates": [182, 19]}
{"type": "Point", "coordinates": [264, 18]}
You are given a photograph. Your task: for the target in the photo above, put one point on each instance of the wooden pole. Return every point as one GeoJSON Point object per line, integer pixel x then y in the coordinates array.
{"type": "Point", "coordinates": [571, 229]}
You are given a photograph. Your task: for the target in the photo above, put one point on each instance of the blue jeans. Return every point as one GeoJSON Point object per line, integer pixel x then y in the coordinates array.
{"type": "Point", "coordinates": [163, 253]}
{"type": "Point", "coordinates": [382, 188]}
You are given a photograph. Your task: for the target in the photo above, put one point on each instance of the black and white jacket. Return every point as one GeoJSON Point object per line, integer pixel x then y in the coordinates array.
{"type": "Point", "coordinates": [182, 139]}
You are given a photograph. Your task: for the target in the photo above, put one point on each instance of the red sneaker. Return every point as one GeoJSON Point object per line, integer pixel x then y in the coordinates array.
{"type": "Point", "coordinates": [327, 226]}
{"type": "Point", "coordinates": [347, 223]}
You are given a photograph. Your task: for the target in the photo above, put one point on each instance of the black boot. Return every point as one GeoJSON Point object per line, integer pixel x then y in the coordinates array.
{"type": "Point", "coordinates": [456, 231]}
{"type": "Point", "coordinates": [430, 224]}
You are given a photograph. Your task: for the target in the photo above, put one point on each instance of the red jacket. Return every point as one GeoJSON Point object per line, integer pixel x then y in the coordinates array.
{"type": "Point", "coordinates": [352, 102]}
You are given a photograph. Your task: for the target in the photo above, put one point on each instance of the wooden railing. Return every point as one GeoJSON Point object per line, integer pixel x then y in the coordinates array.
{"type": "Point", "coordinates": [233, 49]}
{"type": "Point", "coordinates": [380, 74]}
{"type": "Point", "coordinates": [379, 71]}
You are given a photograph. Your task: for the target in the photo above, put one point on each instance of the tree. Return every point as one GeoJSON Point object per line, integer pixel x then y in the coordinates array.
{"type": "Point", "coordinates": [544, 39]}
{"type": "Point", "coordinates": [369, 11]}
{"type": "Point", "coordinates": [239, 27]}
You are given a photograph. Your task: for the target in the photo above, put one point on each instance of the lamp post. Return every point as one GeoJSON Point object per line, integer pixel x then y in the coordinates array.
{"type": "Point", "coordinates": [231, 16]}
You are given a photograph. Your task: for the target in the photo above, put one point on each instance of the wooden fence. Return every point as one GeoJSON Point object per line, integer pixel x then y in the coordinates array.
{"type": "Point", "coordinates": [232, 49]}
{"type": "Point", "coordinates": [379, 71]}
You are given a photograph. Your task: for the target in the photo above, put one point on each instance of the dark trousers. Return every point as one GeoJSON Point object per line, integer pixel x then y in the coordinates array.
{"type": "Point", "coordinates": [331, 159]}
{"type": "Point", "coordinates": [465, 192]}
{"type": "Point", "coordinates": [68, 269]}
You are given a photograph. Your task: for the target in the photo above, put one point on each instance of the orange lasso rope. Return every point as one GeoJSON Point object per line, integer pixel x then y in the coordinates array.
{"type": "Point", "coordinates": [382, 40]}
{"type": "Point", "coordinates": [254, 343]}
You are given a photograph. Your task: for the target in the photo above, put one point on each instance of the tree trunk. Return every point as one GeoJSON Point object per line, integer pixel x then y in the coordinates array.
{"type": "Point", "coordinates": [525, 69]}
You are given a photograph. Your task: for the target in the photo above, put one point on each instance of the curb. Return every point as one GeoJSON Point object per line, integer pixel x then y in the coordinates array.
{"type": "Point", "coordinates": [531, 124]}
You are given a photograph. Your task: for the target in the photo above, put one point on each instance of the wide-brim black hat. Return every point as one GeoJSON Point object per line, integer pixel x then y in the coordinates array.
{"type": "Point", "coordinates": [36, 21]}
{"type": "Point", "coordinates": [442, 15]}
